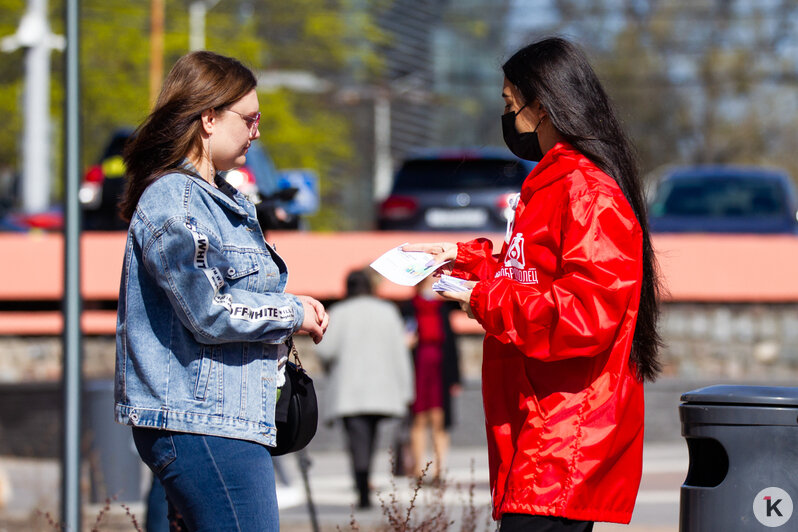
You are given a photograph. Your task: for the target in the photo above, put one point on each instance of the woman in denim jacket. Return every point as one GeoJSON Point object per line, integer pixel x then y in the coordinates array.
{"type": "Point", "coordinates": [203, 317]}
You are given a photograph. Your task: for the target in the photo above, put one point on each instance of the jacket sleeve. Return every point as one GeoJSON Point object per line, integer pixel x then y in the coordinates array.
{"type": "Point", "coordinates": [188, 264]}
{"type": "Point", "coordinates": [580, 312]}
{"type": "Point", "coordinates": [475, 260]}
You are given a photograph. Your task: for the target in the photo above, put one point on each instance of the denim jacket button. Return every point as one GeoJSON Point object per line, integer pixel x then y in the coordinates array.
{"type": "Point", "coordinates": [134, 417]}
{"type": "Point", "coordinates": [231, 271]}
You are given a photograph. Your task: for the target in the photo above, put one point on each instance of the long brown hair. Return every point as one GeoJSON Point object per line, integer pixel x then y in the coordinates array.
{"type": "Point", "coordinates": [197, 82]}
{"type": "Point", "coordinates": [557, 74]}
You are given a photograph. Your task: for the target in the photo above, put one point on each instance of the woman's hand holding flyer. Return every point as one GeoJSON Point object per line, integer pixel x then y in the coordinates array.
{"type": "Point", "coordinates": [406, 268]}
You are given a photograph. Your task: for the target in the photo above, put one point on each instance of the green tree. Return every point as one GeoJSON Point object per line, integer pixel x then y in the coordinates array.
{"type": "Point", "coordinates": [11, 86]}
{"type": "Point", "coordinates": [298, 130]}
{"type": "Point", "coordinates": [706, 82]}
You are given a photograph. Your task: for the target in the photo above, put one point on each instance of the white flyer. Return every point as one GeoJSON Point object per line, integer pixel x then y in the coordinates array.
{"type": "Point", "coordinates": [447, 283]}
{"type": "Point", "coordinates": [406, 268]}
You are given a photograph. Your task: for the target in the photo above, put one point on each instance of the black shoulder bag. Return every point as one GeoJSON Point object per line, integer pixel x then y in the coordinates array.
{"type": "Point", "coordinates": [296, 414]}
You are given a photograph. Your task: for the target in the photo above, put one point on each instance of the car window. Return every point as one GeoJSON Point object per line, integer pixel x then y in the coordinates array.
{"type": "Point", "coordinates": [720, 197]}
{"type": "Point", "coordinates": [447, 174]}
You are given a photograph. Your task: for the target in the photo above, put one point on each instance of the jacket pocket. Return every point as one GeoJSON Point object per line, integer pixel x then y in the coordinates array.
{"type": "Point", "coordinates": [203, 373]}
{"type": "Point", "coordinates": [242, 269]}
{"type": "Point", "coordinates": [156, 447]}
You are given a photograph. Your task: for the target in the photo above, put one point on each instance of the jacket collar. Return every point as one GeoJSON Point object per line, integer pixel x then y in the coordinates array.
{"type": "Point", "coordinates": [559, 161]}
{"type": "Point", "coordinates": [223, 193]}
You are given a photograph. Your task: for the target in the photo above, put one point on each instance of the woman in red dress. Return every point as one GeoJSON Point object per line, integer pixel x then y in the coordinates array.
{"type": "Point", "coordinates": [437, 377]}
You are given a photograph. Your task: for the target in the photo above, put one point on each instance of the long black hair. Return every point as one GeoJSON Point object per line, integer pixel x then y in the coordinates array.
{"type": "Point", "coordinates": [557, 74]}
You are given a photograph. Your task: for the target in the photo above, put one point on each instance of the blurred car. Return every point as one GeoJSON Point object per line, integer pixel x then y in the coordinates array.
{"type": "Point", "coordinates": [103, 185]}
{"type": "Point", "coordinates": [260, 181]}
{"type": "Point", "coordinates": [13, 219]}
{"type": "Point", "coordinates": [454, 190]}
{"type": "Point", "coordinates": [724, 199]}
{"type": "Point", "coordinates": [49, 220]}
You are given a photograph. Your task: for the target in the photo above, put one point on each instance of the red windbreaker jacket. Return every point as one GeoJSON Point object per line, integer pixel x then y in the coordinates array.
{"type": "Point", "coordinates": [563, 407]}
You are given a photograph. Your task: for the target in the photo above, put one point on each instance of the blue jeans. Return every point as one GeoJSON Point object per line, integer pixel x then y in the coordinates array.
{"type": "Point", "coordinates": [215, 484]}
{"type": "Point", "coordinates": [157, 508]}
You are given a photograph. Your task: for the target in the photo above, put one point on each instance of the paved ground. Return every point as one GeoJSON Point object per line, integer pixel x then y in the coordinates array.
{"type": "Point", "coordinates": [35, 491]}
{"type": "Point", "coordinates": [35, 483]}
{"type": "Point", "coordinates": [665, 467]}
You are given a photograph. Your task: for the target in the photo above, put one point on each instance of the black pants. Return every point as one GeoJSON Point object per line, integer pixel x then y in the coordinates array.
{"type": "Point", "coordinates": [542, 523]}
{"type": "Point", "coordinates": [361, 434]}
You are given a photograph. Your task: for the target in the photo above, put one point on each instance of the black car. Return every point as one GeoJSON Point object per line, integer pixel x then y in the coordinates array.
{"type": "Point", "coordinates": [454, 190]}
{"type": "Point", "coordinates": [724, 199]}
{"type": "Point", "coordinates": [103, 185]}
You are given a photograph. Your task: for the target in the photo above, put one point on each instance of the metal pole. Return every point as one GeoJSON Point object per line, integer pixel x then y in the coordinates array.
{"type": "Point", "coordinates": [382, 144]}
{"type": "Point", "coordinates": [304, 468]}
{"type": "Point", "coordinates": [36, 155]}
{"type": "Point", "coordinates": [197, 11]}
{"type": "Point", "coordinates": [196, 25]}
{"type": "Point", "coordinates": [70, 477]}
{"type": "Point", "coordinates": [156, 48]}
{"type": "Point", "coordinates": [34, 36]}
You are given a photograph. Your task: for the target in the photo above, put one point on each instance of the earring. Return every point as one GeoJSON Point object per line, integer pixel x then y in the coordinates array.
{"type": "Point", "coordinates": [211, 168]}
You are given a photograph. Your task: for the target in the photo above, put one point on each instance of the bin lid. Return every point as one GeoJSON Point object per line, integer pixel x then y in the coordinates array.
{"type": "Point", "coordinates": [730, 394]}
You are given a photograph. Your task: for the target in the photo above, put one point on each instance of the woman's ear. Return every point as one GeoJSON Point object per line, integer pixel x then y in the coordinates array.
{"type": "Point", "coordinates": [540, 110]}
{"type": "Point", "coordinates": [208, 119]}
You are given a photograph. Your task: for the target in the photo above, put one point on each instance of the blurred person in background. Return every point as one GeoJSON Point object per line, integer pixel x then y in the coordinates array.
{"type": "Point", "coordinates": [437, 375]}
{"type": "Point", "coordinates": [569, 305]}
{"type": "Point", "coordinates": [370, 372]}
{"type": "Point", "coordinates": [204, 324]}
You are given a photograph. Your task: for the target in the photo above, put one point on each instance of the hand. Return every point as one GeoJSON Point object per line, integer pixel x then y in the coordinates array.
{"type": "Point", "coordinates": [411, 339]}
{"type": "Point", "coordinates": [462, 298]}
{"type": "Point", "coordinates": [440, 251]}
{"type": "Point", "coordinates": [316, 318]}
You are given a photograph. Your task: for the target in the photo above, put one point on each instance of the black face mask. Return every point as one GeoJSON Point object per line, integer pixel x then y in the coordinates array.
{"type": "Point", "coordinates": [523, 145]}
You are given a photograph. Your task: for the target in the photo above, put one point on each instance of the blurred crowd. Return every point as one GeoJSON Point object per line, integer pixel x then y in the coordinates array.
{"type": "Point", "coordinates": [388, 361]}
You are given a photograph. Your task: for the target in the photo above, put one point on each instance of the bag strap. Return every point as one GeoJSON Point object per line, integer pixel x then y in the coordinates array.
{"type": "Point", "coordinates": [294, 352]}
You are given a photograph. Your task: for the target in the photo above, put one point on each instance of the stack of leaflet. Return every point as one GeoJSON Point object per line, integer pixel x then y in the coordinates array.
{"type": "Point", "coordinates": [447, 283]}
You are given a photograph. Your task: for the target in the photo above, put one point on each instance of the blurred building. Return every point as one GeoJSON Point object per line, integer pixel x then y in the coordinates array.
{"type": "Point", "coordinates": [439, 85]}
{"type": "Point", "coordinates": [470, 47]}
{"type": "Point", "coordinates": [442, 65]}
{"type": "Point", "coordinates": [409, 57]}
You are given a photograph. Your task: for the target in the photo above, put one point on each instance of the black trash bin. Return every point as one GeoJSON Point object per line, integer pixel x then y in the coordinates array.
{"type": "Point", "coordinates": [743, 447]}
{"type": "Point", "coordinates": [114, 464]}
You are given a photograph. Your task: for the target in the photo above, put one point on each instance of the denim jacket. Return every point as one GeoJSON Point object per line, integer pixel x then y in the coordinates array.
{"type": "Point", "coordinates": [203, 316]}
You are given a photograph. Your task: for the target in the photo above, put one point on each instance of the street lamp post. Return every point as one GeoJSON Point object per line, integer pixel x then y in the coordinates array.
{"type": "Point", "coordinates": [196, 23]}
{"type": "Point", "coordinates": [72, 374]}
{"type": "Point", "coordinates": [35, 37]}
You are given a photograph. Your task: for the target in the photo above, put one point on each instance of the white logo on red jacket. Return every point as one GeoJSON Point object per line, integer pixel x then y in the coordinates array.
{"type": "Point", "coordinates": [515, 263]}
{"type": "Point", "coordinates": [515, 253]}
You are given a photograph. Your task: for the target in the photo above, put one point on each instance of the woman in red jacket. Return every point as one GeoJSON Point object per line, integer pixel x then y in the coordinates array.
{"type": "Point", "coordinates": [569, 305]}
